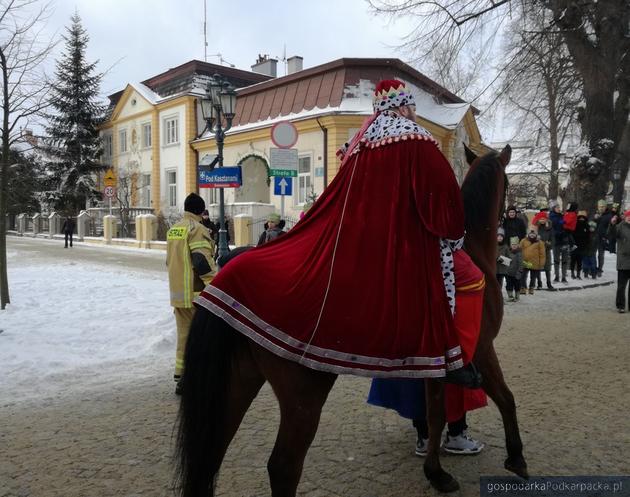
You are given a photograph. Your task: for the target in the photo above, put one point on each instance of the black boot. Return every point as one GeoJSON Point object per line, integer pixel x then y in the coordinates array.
{"type": "Point", "coordinates": [467, 377]}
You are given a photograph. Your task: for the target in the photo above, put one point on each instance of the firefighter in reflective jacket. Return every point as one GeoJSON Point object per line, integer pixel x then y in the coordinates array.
{"type": "Point", "coordinates": [191, 267]}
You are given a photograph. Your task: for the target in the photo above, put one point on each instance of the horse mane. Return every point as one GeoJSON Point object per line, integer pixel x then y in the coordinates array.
{"type": "Point", "coordinates": [479, 192]}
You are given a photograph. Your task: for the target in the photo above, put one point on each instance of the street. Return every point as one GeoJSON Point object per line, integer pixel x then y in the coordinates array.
{"type": "Point", "coordinates": [108, 430]}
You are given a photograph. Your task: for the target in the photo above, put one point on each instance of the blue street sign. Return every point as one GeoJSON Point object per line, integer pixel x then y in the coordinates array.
{"type": "Point", "coordinates": [221, 177]}
{"type": "Point", "coordinates": [282, 186]}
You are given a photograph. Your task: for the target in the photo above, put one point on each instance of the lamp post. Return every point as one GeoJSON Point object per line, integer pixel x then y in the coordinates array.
{"type": "Point", "coordinates": [218, 112]}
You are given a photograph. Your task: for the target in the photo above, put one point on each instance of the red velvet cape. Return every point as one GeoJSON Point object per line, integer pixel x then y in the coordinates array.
{"type": "Point", "coordinates": [356, 286]}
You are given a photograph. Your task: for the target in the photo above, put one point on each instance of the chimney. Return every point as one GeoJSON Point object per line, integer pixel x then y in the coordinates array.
{"type": "Point", "coordinates": [29, 138]}
{"type": "Point", "coordinates": [294, 64]}
{"type": "Point", "coordinates": [266, 65]}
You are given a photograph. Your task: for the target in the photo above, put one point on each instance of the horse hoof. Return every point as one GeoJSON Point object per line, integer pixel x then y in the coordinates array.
{"type": "Point", "coordinates": [518, 466]}
{"type": "Point", "coordinates": [442, 481]}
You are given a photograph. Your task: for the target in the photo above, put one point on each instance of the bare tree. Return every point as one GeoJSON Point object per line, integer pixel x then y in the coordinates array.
{"type": "Point", "coordinates": [126, 194]}
{"type": "Point", "coordinates": [542, 86]}
{"type": "Point", "coordinates": [24, 90]}
{"type": "Point", "coordinates": [596, 36]}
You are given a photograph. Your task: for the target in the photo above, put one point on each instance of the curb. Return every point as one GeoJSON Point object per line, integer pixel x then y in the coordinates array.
{"type": "Point", "coordinates": [581, 287]}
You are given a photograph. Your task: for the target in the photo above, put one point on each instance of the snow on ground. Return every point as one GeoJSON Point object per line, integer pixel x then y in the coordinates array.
{"type": "Point", "coordinates": [91, 319]}
{"type": "Point", "coordinates": [69, 315]}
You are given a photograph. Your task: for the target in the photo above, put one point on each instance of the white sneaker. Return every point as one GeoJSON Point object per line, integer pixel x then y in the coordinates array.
{"type": "Point", "coordinates": [462, 444]}
{"type": "Point", "coordinates": [421, 447]}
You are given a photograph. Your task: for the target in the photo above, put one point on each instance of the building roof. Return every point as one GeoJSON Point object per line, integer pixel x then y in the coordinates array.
{"type": "Point", "coordinates": [347, 85]}
{"type": "Point", "coordinates": [183, 77]}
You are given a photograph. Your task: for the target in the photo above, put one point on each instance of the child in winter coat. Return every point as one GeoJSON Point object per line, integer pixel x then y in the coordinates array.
{"type": "Point", "coordinates": [581, 238]}
{"type": "Point", "coordinates": [545, 235]}
{"type": "Point", "coordinates": [515, 270]}
{"type": "Point", "coordinates": [589, 259]}
{"type": "Point", "coordinates": [570, 222]}
{"type": "Point", "coordinates": [534, 254]}
{"type": "Point", "coordinates": [503, 257]}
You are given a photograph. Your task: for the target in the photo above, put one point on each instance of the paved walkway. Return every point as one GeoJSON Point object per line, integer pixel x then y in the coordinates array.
{"type": "Point", "coordinates": [107, 434]}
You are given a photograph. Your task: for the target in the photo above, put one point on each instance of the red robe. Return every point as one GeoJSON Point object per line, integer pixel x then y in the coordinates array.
{"type": "Point", "coordinates": [356, 287]}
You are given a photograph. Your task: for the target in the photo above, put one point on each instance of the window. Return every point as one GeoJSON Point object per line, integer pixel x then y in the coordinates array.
{"type": "Point", "coordinates": [146, 190]}
{"type": "Point", "coordinates": [171, 130]}
{"type": "Point", "coordinates": [122, 137]}
{"type": "Point", "coordinates": [146, 135]}
{"type": "Point", "coordinates": [171, 181]}
{"type": "Point", "coordinates": [304, 179]}
{"type": "Point", "coordinates": [108, 146]}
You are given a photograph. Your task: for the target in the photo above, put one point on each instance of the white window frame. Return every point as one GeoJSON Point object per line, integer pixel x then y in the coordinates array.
{"type": "Point", "coordinates": [171, 188]}
{"type": "Point", "coordinates": [171, 132]}
{"type": "Point", "coordinates": [302, 192]}
{"type": "Point", "coordinates": [123, 145]}
{"type": "Point", "coordinates": [146, 189]}
{"type": "Point", "coordinates": [108, 146]}
{"type": "Point", "coordinates": [147, 138]}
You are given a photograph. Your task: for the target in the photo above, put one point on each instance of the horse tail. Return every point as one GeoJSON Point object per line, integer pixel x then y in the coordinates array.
{"type": "Point", "coordinates": [199, 451]}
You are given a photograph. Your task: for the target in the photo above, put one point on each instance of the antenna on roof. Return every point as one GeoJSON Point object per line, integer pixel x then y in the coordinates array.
{"type": "Point", "coordinates": [222, 61]}
{"type": "Point", "coordinates": [205, 31]}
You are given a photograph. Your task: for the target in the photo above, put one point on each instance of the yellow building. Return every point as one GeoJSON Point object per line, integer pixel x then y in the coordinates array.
{"type": "Point", "coordinates": [149, 129]}
{"type": "Point", "coordinates": [155, 134]}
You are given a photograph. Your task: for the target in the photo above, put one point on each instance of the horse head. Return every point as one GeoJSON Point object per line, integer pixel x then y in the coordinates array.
{"type": "Point", "coordinates": [504, 156]}
{"type": "Point", "coordinates": [483, 193]}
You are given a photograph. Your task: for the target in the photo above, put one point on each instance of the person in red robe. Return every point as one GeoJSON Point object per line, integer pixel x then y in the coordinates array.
{"type": "Point", "coordinates": [335, 295]}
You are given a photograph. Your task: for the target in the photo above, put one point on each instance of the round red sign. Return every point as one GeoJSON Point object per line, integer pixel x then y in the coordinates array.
{"type": "Point", "coordinates": [284, 134]}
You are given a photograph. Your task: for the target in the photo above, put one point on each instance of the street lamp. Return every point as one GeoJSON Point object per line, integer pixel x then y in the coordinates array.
{"type": "Point", "coordinates": [218, 111]}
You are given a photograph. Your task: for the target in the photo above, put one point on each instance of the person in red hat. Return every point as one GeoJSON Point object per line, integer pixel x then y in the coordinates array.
{"type": "Point", "coordinates": [334, 297]}
{"type": "Point", "coordinates": [619, 231]}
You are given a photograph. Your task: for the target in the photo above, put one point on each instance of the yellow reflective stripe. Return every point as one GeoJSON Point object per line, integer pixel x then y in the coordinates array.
{"type": "Point", "coordinates": [197, 245]}
{"type": "Point", "coordinates": [187, 275]}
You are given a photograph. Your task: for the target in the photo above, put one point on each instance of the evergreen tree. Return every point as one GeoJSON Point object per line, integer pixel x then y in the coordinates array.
{"type": "Point", "coordinates": [73, 144]}
{"type": "Point", "coordinates": [26, 179]}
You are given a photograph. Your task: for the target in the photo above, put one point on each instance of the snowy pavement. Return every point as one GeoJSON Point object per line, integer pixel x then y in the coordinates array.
{"type": "Point", "coordinates": [85, 308]}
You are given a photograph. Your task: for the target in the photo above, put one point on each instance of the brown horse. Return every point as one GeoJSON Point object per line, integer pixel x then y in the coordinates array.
{"type": "Point", "coordinates": [225, 370]}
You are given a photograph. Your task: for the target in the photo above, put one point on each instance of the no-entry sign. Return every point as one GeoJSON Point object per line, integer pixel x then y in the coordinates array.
{"type": "Point", "coordinates": [284, 134]}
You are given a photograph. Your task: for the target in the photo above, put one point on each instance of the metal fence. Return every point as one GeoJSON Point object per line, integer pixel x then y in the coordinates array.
{"type": "Point", "coordinates": [95, 226]}
{"type": "Point", "coordinates": [44, 223]}
{"type": "Point", "coordinates": [258, 226]}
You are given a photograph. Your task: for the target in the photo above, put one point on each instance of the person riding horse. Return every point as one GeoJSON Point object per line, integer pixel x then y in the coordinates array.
{"type": "Point", "coordinates": [331, 297]}
{"type": "Point", "coordinates": [340, 285]}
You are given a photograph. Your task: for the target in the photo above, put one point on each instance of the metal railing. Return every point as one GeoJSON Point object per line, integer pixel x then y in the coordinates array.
{"type": "Point", "coordinates": [258, 226]}
{"type": "Point", "coordinates": [98, 213]}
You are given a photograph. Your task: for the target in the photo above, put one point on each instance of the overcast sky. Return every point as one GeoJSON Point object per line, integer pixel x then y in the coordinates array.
{"type": "Point", "coordinates": [136, 39]}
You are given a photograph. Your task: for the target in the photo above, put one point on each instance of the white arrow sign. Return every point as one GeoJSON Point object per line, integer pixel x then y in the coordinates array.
{"type": "Point", "coordinates": [283, 186]}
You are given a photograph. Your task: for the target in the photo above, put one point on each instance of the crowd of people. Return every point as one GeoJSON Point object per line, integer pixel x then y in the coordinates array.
{"type": "Point", "coordinates": [571, 242]}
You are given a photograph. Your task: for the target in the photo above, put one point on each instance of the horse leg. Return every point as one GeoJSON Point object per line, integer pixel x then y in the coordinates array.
{"type": "Point", "coordinates": [220, 382]}
{"type": "Point", "coordinates": [496, 388]}
{"type": "Point", "coordinates": [244, 384]}
{"type": "Point", "coordinates": [301, 393]}
{"type": "Point", "coordinates": [436, 419]}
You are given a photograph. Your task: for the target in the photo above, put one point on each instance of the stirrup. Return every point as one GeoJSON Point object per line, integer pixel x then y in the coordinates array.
{"type": "Point", "coordinates": [467, 377]}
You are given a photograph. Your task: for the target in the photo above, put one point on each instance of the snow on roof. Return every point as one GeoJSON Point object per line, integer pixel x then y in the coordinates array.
{"type": "Point", "coordinates": [357, 100]}
{"type": "Point", "coordinates": [147, 93]}
{"type": "Point", "coordinates": [446, 115]}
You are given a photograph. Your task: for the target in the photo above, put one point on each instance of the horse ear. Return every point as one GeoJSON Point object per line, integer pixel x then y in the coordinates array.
{"type": "Point", "coordinates": [505, 155]}
{"type": "Point", "coordinates": [470, 155]}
